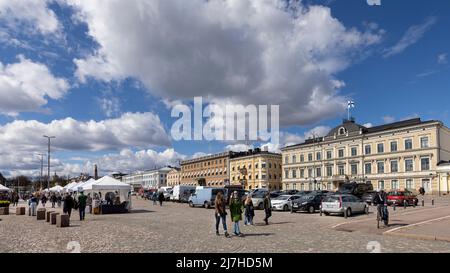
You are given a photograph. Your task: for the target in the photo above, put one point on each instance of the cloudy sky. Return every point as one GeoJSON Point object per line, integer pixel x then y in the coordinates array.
{"type": "Point", "coordinates": [102, 76]}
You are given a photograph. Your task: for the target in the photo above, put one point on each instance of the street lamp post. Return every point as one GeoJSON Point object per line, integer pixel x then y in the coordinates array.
{"type": "Point", "coordinates": [48, 158]}
{"type": "Point", "coordinates": [42, 169]}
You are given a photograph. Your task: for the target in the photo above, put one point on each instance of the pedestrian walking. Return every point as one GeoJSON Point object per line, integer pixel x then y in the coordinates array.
{"type": "Point", "coordinates": [59, 200]}
{"type": "Point", "coordinates": [89, 202]}
{"type": "Point", "coordinates": [43, 200]}
{"type": "Point", "coordinates": [267, 208]}
{"type": "Point", "coordinates": [53, 200]}
{"type": "Point", "coordinates": [236, 208]}
{"type": "Point", "coordinates": [68, 204]}
{"type": "Point", "coordinates": [154, 198]}
{"type": "Point", "coordinates": [82, 200]}
{"type": "Point", "coordinates": [249, 211]}
{"type": "Point", "coordinates": [15, 199]}
{"type": "Point", "coordinates": [220, 213]}
{"type": "Point", "coordinates": [33, 202]}
{"type": "Point", "coordinates": [161, 198]}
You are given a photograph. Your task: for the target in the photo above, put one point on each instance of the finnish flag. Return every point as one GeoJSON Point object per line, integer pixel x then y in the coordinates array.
{"type": "Point", "coordinates": [350, 104]}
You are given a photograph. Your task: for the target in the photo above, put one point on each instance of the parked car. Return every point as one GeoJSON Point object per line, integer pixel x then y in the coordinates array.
{"type": "Point", "coordinates": [283, 202]}
{"type": "Point", "coordinates": [399, 198]}
{"type": "Point", "coordinates": [182, 193]}
{"type": "Point", "coordinates": [369, 197]}
{"type": "Point", "coordinates": [205, 196]}
{"type": "Point", "coordinates": [341, 203]}
{"type": "Point", "coordinates": [258, 198]}
{"type": "Point", "coordinates": [356, 189]}
{"type": "Point", "coordinates": [309, 202]}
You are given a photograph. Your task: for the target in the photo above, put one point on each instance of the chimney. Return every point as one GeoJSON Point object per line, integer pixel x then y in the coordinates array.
{"type": "Point", "coordinates": [95, 172]}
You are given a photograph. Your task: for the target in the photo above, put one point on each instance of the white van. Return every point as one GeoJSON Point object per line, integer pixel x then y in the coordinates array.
{"type": "Point", "coordinates": [205, 196]}
{"type": "Point", "coordinates": [182, 193]}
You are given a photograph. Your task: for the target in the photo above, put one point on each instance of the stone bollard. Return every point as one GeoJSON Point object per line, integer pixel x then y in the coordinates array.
{"type": "Point", "coordinates": [432, 202]}
{"type": "Point", "coordinates": [20, 211]}
{"type": "Point", "coordinates": [345, 213]}
{"type": "Point", "coordinates": [47, 218]}
{"type": "Point", "coordinates": [40, 214]}
{"type": "Point", "coordinates": [62, 220]}
{"type": "Point", "coordinates": [423, 203]}
{"type": "Point", "coordinates": [53, 216]}
{"type": "Point", "coordinates": [4, 211]}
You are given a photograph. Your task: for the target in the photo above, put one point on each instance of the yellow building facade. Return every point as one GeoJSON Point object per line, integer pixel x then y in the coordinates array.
{"type": "Point", "coordinates": [211, 170]}
{"type": "Point", "coordinates": [256, 169]}
{"type": "Point", "coordinates": [173, 177]}
{"type": "Point", "coordinates": [401, 155]}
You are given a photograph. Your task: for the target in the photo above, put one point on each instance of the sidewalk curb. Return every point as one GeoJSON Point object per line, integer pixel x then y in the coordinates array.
{"type": "Point", "coordinates": [419, 236]}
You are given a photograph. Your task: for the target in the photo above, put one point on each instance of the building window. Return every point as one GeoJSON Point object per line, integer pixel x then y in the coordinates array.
{"type": "Point", "coordinates": [294, 174]}
{"type": "Point", "coordinates": [395, 185]}
{"type": "Point", "coordinates": [256, 166]}
{"type": "Point", "coordinates": [256, 176]}
{"type": "Point", "coordinates": [310, 173]}
{"type": "Point", "coordinates": [425, 164]}
{"type": "Point", "coordinates": [394, 147]}
{"type": "Point", "coordinates": [368, 149]}
{"type": "Point", "coordinates": [263, 165]}
{"type": "Point", "coordinates": [394, 166]}
{"type": "Point", "coordinates": [302, 173]}
{"type": "Point", "coordinates": [410, 184]}
{"type": "Point", "coordinates": [381, 185]}
{"type": "Point", "coordinates": [329, 186]}
{"type": "Point", "coordinates": [310, 157]}
{"type": "Point", "coordinates": [329, 171]}
{"type": "Point", "coordinates": [294, 159]}
{"type": "Point", "coordinates": [408, 144]}
{"type": "Point", "coordinates": [368, 168]}
{"type": "Point", "coordinates": [354, 151]}
{"type": "Point", "coordinates": [409, 165]}
{"type": "Point", "coordinates": [294, 186]}
{"type": "Point", "coordinates": [302, 158]}
{"type": "Point", "coordinates": [426, 184]}
{"type": "Point", "coordinates": [341, 169]}
{"type": "Point", "coordinates": [286, 174]}
{"type": "Point", "coordinates": [380, 166]}
{"type": "Point", "coordinates": [318, 156]}
{"type": "Point", "coordinates": [286, 160]}
{"type": "Point", "coordinates": [342, 131]}
{"type": "Point", "coordinates": [329, 154]}
{"type": "Point", "coordinates": [354, 169]}
{"type": "Point", "coordinates": [341, 153]}
{"type": "Point", "coordinates": [380, 148]}
{"type": "Point", "coordinates": [263, 176]}
{"type": "Point", "coordinates": [424, 142]}
{"type": "Point", "coordinates": [318, 172]}
{"type": "Point", "coordinates": [302, 187]}
{"type": "Point", "coordinates": [270, 165]}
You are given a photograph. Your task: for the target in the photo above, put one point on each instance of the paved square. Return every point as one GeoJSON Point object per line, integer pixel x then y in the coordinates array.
{"type": "Point", "coordinates": [179, 228]}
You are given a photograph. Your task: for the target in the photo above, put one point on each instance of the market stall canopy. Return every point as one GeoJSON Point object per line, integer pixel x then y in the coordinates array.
{"type": "Point", "coordinates": [3, 188]}
{"type": "Point", "coordinates": [86, 186]}
{"type": "Point", "coordinates": [56, 188]}
{"type": "Point", "coordinates": [109, 183]}
{"type": "Point", "coordinates": [70, 185]}
{"type": "Point", "coordinates": [75, 186]}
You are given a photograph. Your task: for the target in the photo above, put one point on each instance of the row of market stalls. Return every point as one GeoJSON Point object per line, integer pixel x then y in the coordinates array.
{"type": "Point", "coordinates": [105, 188]}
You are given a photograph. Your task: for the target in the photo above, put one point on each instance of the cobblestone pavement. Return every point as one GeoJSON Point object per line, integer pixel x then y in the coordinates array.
{"type": "Point", "coordinates": [178, 228]}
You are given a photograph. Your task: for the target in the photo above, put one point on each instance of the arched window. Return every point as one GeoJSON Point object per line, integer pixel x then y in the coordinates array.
{"type": "Point", "coordinates": [342, 131]}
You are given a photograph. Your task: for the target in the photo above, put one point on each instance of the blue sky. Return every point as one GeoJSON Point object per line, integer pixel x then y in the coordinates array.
{"type": "Point", "coordinates": [107, 70]}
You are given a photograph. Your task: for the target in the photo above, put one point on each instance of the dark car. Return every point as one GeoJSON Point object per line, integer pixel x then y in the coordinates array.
{"type": "Point", "coordinates": [356, 189]}
{"type": "Point", "coordinates": [369, 197]}
{"type": "Point", "coordinates": [309, 202]}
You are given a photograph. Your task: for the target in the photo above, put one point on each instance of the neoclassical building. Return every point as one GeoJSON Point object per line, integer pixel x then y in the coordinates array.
{"type": "Point", "coordinates": [400, 155]}
{"type": "Point", "coordinates": [210, 170]}
{"type": "Point", "coordinates": [173, 177]}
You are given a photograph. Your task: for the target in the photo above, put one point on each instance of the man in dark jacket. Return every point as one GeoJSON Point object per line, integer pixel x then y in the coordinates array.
{"type": "Point", "coordinates": [161, 198]}
{"type": "Point", "coordinates": [68, 204]}
{"type": "Point", "coordinates": [267, 207]}
{"type": "Point", "coordinates": [82, 205]}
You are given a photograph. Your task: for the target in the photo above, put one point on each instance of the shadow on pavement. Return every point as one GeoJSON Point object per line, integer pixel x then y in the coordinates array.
{"type": "Point", "coordinates": [258, 234]}
{"type": "Point", "coordinates": [270, 223]}
{"type": "Point", "coordinates": [141, 211]}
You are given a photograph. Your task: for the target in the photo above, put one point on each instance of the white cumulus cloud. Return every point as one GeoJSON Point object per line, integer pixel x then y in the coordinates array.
{"type": "Point", "coordinates": [245, 51]}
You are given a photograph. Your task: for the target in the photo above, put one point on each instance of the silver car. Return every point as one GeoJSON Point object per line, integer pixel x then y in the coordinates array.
{"type": "Point", "coordinates": [283, 202]}
{"type": "Point", "coordinates": [343, 203]}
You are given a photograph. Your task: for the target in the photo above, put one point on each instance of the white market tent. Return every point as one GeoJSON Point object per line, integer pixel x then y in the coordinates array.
{"type": "Point", "coordinates": [108, 184]}
{"type": "Point", "coordinates": [68, 186]}
{"type": "Point", "coordinates": [3, 188]}
{"type": "Point", "coordinates": [87, 186]}
{"type": "Point", "coordinates": [75, 187]}
{"type": "Point", "coordinates": [56, 188]}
